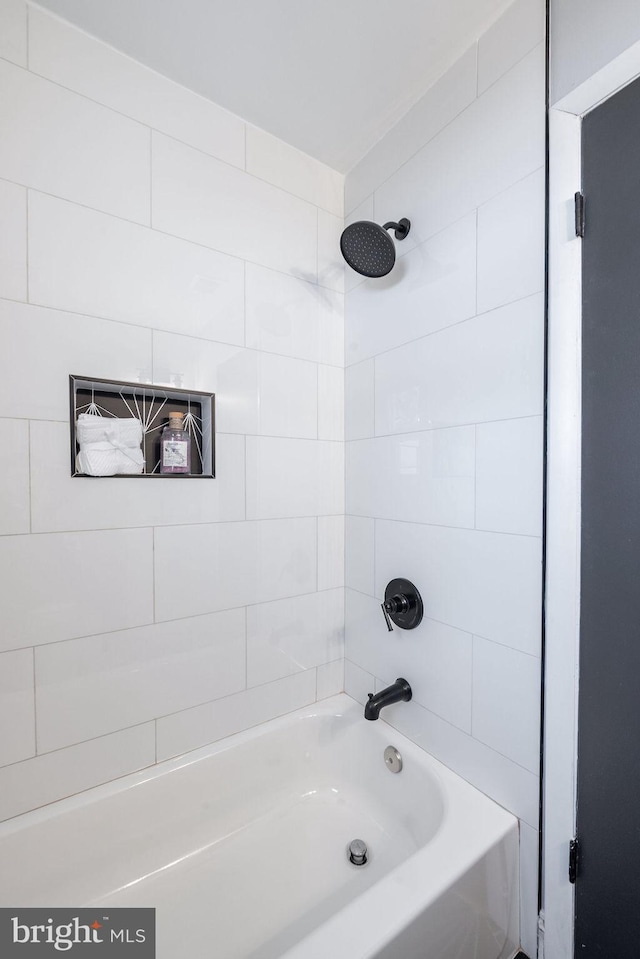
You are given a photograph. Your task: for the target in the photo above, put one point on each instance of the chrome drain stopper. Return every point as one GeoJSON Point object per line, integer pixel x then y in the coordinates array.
{"type": "Point", "coordinates": [357, 852]}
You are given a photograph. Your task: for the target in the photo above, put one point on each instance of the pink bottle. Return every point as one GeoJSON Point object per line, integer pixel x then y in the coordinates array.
{"type": "Point", "coordinates": [175, 447]}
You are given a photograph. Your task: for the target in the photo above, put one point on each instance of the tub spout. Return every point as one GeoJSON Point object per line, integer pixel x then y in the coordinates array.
{"type": "Point", "coordinates": [400, 691]}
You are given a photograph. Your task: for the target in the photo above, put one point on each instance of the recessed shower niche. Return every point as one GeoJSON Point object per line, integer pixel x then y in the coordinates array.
{"type": "Point", "coordinates": [117, 430]}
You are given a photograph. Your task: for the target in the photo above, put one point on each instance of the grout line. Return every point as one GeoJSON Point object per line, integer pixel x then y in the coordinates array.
{"type": "Point", "coordinates": [473, 646]}
{"type": "Point", "coordinates": [477, 254]}
{"type": "Point", "coordinates": [244, 303]}
{"type": "Point", "coordinates": [28, 33]}
{"type": "Point", "coordinates": [82, 742]}
{"type": "Point", "coordinates": [155, 734]}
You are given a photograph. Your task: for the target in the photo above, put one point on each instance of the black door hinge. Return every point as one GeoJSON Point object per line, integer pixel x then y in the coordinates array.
{"type": "Point", "coordinates": [574, 859]}
{"type": "Point", "coordinates": [579, 213]}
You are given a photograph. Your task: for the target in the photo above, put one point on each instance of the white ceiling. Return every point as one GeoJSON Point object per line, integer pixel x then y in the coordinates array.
{"type": "Point", "coordinates": [327, 76]}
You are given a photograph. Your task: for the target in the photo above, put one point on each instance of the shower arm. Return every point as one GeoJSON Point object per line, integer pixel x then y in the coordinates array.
{"type": "Point", "coordinates": [400, 229]}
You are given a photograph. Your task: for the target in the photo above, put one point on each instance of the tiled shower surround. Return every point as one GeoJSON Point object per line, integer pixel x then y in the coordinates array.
{"type": "Point", "coordinates": [149, 235]}
{"type": "Point", "coordinates": [444, 402]}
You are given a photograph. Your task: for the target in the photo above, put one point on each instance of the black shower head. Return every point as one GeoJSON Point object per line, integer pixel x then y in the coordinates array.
{"type": "Point", "coordinates": [368, 248]}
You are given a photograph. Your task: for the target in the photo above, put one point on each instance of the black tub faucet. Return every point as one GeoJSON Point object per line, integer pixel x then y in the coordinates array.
{"type": "Point", "coordinates": [400, 691]}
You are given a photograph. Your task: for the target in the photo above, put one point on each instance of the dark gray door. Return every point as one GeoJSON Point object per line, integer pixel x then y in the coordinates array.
{"type": "Point", "coordinates": [608, 885]}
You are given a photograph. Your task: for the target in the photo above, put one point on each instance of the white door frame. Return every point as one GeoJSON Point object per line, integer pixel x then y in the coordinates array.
{"type": "Point", "coordinates": [562, 607]}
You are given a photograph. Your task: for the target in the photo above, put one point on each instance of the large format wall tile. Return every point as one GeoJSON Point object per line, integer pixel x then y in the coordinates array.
{"type": "Point", "coordinates": [290, 635]}
{"type": "Point", "coordinates": [15, 515]}
{"type": "Point", "coordinates": [209, 202]}
{"type": "Point", "coordinates": [96, 685]}
{"type": "Point", "coordinates": [61, 143]}
{"type": "Point", "coordinates": [72, 58]}
{"type": "Point", "coordinates": [509, 475]}
{"type": "Point", "coordinates": [85, 262]}
{"type": "Point", "coordinates": [13, 31]}
{"type": "Point", "coordinates": [45, 779]}
{"type": "Point", "coordinates": [512, 36]}
{"type": "Point", "coordinates": [224, 565]}
{"type": "Point", "coordinates": [17, 713]}
{"type": "Point", "coordinates": [288, 477]}
{"type": "Point", "coordinates": [205, 724]}
{"type": "Point", "coordinates": [293, 317]}
{"type": "Point", "coordinates": [62, 585]}
{"type": "Point", "coordinates": [511, 244]}
{"type": "Point", "coordinates": [66, 343]}
{"type": "Point", "coordinates": [13, 241]}
{"type": "Point", "coordinates": [426, 477]}
{"type": "Point", "coordinates": [489, 368]}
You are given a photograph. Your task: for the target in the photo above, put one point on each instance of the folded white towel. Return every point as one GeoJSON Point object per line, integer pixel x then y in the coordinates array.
{"type": "Point", "coordinates": [108, 445]}
{"type": "Point", "coordinates": [120, 432]}
{"type": "Point", "coordinates": [109, 462]}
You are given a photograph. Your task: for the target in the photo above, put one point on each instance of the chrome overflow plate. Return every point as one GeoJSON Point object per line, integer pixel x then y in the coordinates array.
{"type": "Point", "coordinates": [393, 759]}
{"type": "Point", "coordinates": [357, 852]}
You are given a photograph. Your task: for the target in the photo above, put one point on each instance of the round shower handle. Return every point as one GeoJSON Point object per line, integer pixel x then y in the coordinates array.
{"type": "Point", "coordinates": [402, 605]}
{"type": "Point", "coordinates": [401, 228]}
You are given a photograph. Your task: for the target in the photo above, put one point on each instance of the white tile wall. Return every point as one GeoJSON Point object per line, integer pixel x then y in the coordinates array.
{"type": "Point", "coordinates": [484, 583]}
{"type": "Point", "coordinates": [293, 317]}
{"type": "Point", "coordinates": [360, 552]}
{"type": "Point", "coordinates": [426, 477]}
{"type": "Point", "coordinates": [511, 244]}
{"type": "Point", "coordinates": [15, 516]}
{"type": "Point", "coordinates": [330, 679]}
{"type": "Point", "coordinates": [293, 477]}
{"type": "Point", "coordinates": [488, 368]}
{"type": "Point", "coordinates": [506, 702]}
{"type": "Point", "coordinates": [44, 779]}
{"type": "Point", "coordinates": [85, 262]}
{"type": "Point", "coordinates": [65, 343]}
{"type": "Point", "coordinates": [443, 417]}
{"type": "Point", "coordinates": [290, 635]}
{"type": "Point", "coordinates": [17, 727]}
{"type": "Point", "coordinates": [211, 203]}
{"type": "Point", "coordinates": [129, 596]}
{"type": "Point", "coordinates": [359, 400]}
{"type": "Point", "coordinates": [195, 727]}
{"type": "Point", "coordinates": [13, 241]}
{"type": "Point", "coordinates": [61, 143]}
{"type": "Point", "coordinates": [13, 31]}
{"type": "Point", "coordinates": [330, 552]}
{"type": "Point", "coordinates": [224, 565]}
{"type": "Point", "coordinates": [62, 585]}
{"type": "Point", "coordinates": [93, 686]}
{"type": "Point", "coordinates": [509, 476]}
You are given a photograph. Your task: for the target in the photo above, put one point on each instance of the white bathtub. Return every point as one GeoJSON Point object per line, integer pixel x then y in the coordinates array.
{"type": "Point", "coordinates": [241, 847]}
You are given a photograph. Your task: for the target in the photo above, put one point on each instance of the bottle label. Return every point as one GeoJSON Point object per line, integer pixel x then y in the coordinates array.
{"type": "Point", "coordinates": [175, 453]}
